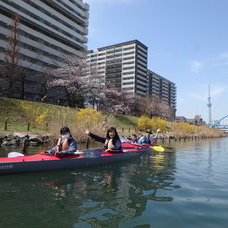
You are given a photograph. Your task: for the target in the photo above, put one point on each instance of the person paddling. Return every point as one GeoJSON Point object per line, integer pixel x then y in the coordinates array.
{"type": "Point", "coordinates": [134, 139]}
{"type": "Point", "coordinates": [112, 141]}
{"type": "Point", "coordinates": [66, 144]}
{"type": "Point", "coordinates": [146, 139]}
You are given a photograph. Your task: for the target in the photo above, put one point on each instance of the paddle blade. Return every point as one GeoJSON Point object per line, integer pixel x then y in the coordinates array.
{"type": "Point", "coordinates": [158, 148]}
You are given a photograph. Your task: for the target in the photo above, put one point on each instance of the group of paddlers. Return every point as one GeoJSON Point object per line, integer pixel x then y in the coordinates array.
{"type": "Point", "coordinates": [112, 142]}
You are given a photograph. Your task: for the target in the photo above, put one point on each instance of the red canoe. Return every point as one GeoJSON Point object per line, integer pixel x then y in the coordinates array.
{"type": "Point", "coordinates": [86, 158]}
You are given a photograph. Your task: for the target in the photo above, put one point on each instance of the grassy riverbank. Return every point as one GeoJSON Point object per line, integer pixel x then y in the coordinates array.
{"type": "Point", "coordinates": [46, 118]}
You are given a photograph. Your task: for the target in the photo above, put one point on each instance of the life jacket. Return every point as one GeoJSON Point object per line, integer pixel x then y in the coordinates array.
{"type": "Point", "coordinates": [61, 143]}
{"type": "Point", "coordinates": [106, 144]}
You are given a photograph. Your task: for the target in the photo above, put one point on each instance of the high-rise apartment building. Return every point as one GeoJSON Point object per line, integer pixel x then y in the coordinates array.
{"type": "Point", "coordinates": [48, 30]}
{"type": "Point", "coordinates": [162, 88]}
{"type": "Point", "coordinates": [124, 65]}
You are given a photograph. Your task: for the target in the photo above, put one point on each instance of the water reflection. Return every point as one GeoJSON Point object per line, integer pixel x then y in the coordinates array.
{"type": "Point", "coordinates": [137, 193]}
{"type": "Point", "coordinates": [210, 157]}
{"type": "Point", "coordinates": [159, 175]}
{"type": "Point", "coordinates": [103, 196]}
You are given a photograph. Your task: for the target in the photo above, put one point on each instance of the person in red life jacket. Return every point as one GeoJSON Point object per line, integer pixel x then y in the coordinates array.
{"type": "Point", "coordinates": [66, 145]}
{"type": "Point", "coordinates": [111, 142]}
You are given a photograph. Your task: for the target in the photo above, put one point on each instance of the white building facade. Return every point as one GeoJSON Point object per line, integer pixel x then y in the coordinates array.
{"type": "Point", "coordinates": [124, 65]}
{"type": "Point", "coordinates": [48, 30]}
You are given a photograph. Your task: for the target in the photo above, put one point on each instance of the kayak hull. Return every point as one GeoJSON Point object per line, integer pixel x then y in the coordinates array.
{"type": "Point", "coordinates": [43, 162]}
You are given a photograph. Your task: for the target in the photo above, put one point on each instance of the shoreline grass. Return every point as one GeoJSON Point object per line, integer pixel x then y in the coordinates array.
{"type": "Point", "coordinates": [48, 118]}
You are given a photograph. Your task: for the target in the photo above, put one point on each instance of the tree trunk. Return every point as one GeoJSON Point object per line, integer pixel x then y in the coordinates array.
{"type": "Point", "coordinates": [23, 90]}
{"type": "Point", "coordinates": [68, 97]}
{"type": "Point", "coordinates": [10, 89]}
{"type": "Point", "coordinates": [23, 87]}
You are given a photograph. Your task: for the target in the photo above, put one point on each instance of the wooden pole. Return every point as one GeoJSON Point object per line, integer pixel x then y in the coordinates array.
{"type": "Point", "coordinates": [87, 143]}
{"type": "Point", "coordinates": [46, 126]}
{"type": "Point", "coordinates": [6, 125]}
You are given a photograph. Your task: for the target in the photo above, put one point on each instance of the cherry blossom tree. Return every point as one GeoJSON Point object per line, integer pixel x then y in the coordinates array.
{"type": "Point", "coordinates": [71, 77]}
{"type": "Point", "coordinates": [114, 101]}
{"type": "Point", "coordinates": [78, 79]}
{"type": "Point", "coordinates": [152, 106]}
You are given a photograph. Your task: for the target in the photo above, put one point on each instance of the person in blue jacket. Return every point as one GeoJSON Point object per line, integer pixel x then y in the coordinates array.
{"type": "Point", "coordinates": [146, 139]}
{"type": "Point", "coordinates": [134, 139]}
{"type": "Point", "coordinates": [111, 142]}
{"type": "Point", "coordinates": [66, 144]}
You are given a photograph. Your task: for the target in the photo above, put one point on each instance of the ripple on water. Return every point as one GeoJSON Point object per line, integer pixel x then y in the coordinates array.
{"type": "Point", "coordinates": [188, 188]}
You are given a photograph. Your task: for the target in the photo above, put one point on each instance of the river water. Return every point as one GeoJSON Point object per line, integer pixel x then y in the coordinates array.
{"type": "Point", "coordinates": [186, 188]}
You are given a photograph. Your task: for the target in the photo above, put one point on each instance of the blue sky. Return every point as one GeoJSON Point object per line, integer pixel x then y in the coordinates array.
{"type": "Point", "coordinates": [187, 41]}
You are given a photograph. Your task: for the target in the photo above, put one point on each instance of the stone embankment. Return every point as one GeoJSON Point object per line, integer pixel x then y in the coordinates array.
{"type": "Point", "coordinates": [18, 138]}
